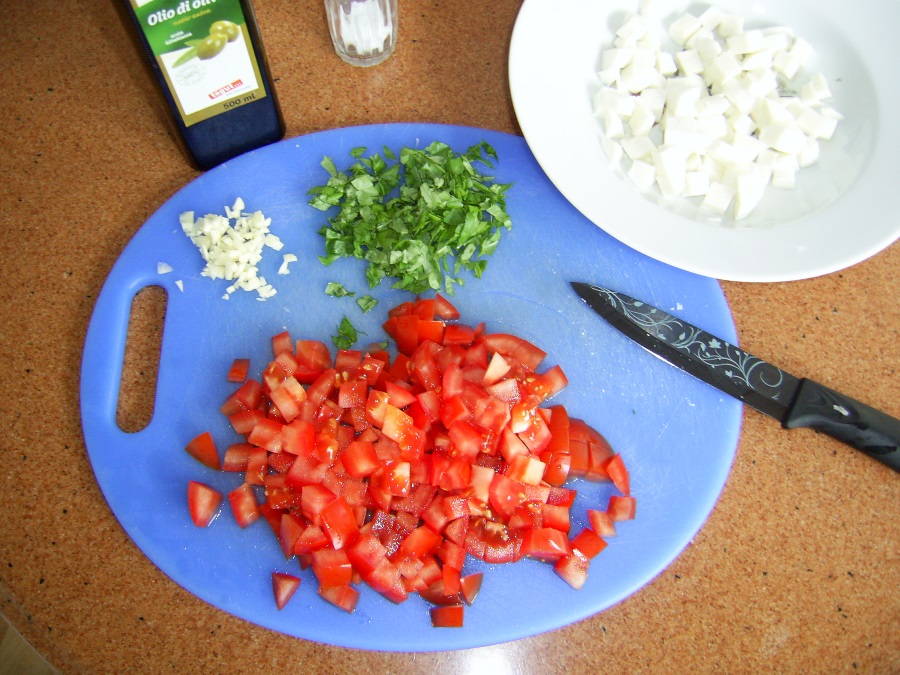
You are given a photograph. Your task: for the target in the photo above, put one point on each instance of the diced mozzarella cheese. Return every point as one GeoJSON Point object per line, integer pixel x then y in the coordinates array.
{"type": "Point", "coordinates": [713, 119]}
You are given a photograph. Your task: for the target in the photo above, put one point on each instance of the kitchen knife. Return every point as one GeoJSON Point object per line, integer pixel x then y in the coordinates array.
{"type": "Point", "coordinates": [795, 402]}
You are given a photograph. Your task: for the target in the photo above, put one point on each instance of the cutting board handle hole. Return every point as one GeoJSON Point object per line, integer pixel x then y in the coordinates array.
{"type": "Point", "coordinates": [140, 366]}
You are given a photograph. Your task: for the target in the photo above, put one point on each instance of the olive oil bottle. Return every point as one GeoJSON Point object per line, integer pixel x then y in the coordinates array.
{"type": "Point", "coordinates": [208, 58]}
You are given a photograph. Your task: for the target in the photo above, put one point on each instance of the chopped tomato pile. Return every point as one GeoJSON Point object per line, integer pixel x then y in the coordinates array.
{"type": "Point", "coordinates": [392, 472]}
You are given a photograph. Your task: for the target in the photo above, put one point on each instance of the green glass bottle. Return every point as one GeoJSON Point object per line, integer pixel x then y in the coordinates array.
{"type": "Point", "coordinates": [208, 58]}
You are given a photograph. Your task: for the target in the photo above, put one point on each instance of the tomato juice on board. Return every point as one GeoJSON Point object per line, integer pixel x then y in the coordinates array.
{"type": "Point", "coordinates": [393, 472]}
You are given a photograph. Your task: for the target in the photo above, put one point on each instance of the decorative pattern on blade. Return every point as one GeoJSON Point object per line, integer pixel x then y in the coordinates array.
{"type": "Point", "coordinates": [744, 370]}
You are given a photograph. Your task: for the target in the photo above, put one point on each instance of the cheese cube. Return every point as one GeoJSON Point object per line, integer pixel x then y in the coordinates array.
{"type": "Point", "coordinates": [655, 98]}
{"type": "Point", "coordinates": [689, 62]}
{"type": "Point", "coordinates": [713, 127]}
{"type": "Point", "coordinates": [642, 118]}
{"type": "Point", "coordinates": [802, 51]}
{"type": "Point", "coordinates": [739, 95]}
{"type": "Point", "coordinates": [669, 162]}
{"type": "Point", "coordinates": [786, 63]}
{"type": "Point", "coordinates": [730, 25]}
{"type": "Point", "coordinates": [712, 106]}
{"type": "Point", "coordinates": [643, 174]}
{"type": "Point", "coordinates": [809, 154]}
{"type": "Point", "coordinates": [816, 125]}
{"type": "Point", "coordinates": [751, 186]}
{"type": "Point", "coordinates": [612, 125]}
{"type": "Point", "coordinates": [612, 150]}
{"type": "Point", "coordinates": [707, 47]}
{"type": "Point", "coordinates": [711, 18]}
{"type": "Point", "coordinates": [760, 59]}
{"type": "Point", "coordinates": [788, 140]}
{"type": "Point", "coordinates": [616, 58]}
{"type": "Point", "coordinates": [665, 64]}
{"type": "Point", "coordinates": [638, 147]}
{"type": "Point", "coordinates": [636, 77]}
{"type": "Point", "coordinates": [746, 43]}
{"type": "Point", "coordinates": [718, 198]}
{"type": "Point", "coordinates": [682, 95]}
{"type": "Point", "coordinates": [633, 29]}
{"type": "Point", "coordinates": [723, 68]}
{"type": "Point", "coordinates": [815, 90]}
{"type": "Point", "coordinates": [684, 27]}
{"type": "Point", "coordinates": [696, 184]}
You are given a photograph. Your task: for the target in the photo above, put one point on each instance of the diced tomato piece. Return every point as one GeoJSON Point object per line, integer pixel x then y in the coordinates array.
{"type": "Point", "coordinates": [444, 309]}
{"type": "Point", "coordinates": [332, 567]}
{"type": "Point", "coordinates": [247, 397]}
{"type": "Point", "coordinates": [284, 586]}
{"type": "Point", "coordinates": [526, 469]}
{"type": "Point", "coordinates": [386, 580]}
{"type": "Point", "coordinates": [314, 498]}
{"type": "Point", "coordinates": [313, 359]}
{"type": "Point", "coordinates": [546, 544]}
{"type": "Point", "coordinates": [298, 437]}
{"type": "Point", "coordinates": [588, 542]}
{"type": "Point", "coordinates": [399, 396]}
{"type": "Point", "coordinates": [312, 539]}
{"type": "Point", "coordinates": [243, 505]}
{"type": "Point", "coordinates": [360, 459]}
{"type": "Point", "coordinates": [257, 465]}
{"type": "Point", "coordinates": [621, 508]}
{"type": "Point", "coordinates": [430, 330]}
{"type": "Point", "coordinates": [515, 347]}
{"type": "Point", "coordinates": [236, 457]}
{"type": "Point", "coordinates": [548, 384]}
{"type": "Point", "coordinates": [203, 449]}
{"type": "Point", "coordinates": [405, 333]}
{"type": "Point", "coordinates": [558, 466]}
{"type": "Point", "coordinates": [497, 368]}
{"type": "Point", "coordinates": [203, 503]}
{"type": "Point", "coordinates": [573, 569]}
{"type": "Point", "coordinates": [399, 427]}
{"type": "Point", "coordinates": [615, 469]}
{"type": "Point", "coordinates": [339, 523]}
{"type": "Point", "coordinates": [366, 553]}
{"type": "Point", "coordinates": [470, 585]}
{"type": "Point", "coordinates": [448, 616]}
{"type": "Point", "coordinates": [238, 370]}
{"type": "Point", "coordinates": [282, 343]}
{"type": "Point", "coordinates": [601, 523]}
{"type": "Point", "coordinates": [505, 495]}
{"type": "Point", "coordinates": [458, 334]}
{"type": "Point", "coordinates": [267, 434]}
{"type": "Point", "coordinates": [345, 597]}
{"type": "Point", "coordinates": [555, 516]}
{"type": "Point", "coordinates": [290, 529]}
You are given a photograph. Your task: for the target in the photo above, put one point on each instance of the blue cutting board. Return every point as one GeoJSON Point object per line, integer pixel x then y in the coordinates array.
{"type": "Point", "coordinates": [677, 435]}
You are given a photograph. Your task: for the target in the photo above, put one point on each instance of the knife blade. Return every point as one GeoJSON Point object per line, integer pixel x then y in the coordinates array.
{"type": "Point", "coordinates": [793, 401]}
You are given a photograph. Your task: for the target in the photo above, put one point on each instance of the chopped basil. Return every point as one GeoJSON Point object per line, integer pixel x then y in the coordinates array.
{"type": "Point", "coordinates": [346, 336]}
{"type": "Point", "coordinates": [366, 303]}
{"type": "Point", "coordinates": [422, 220]}
{"type": "Point", "coordinates": [337, 290]}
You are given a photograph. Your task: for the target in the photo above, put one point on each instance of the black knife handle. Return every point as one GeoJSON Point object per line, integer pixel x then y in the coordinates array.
{"type": "Point", "coordinates": [872, 431]}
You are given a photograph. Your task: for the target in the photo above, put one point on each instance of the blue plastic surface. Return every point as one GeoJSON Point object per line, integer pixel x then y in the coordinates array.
{"type": "Point", "coordinates": [677, 435]}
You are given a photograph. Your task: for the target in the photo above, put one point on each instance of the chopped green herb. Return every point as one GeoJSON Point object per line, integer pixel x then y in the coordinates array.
{"type": "Point", "coordinates": [366, 303]}
{"type": "Point", "coordinates": [346, 336]}
{"type": "Point", "coordinates": [337, 290]}
{"type": "Point", "coordinates": [422, 220]}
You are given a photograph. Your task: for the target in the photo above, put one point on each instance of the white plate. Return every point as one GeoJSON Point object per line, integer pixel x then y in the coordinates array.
{"type": "Point", "coordinates": [841, 211]}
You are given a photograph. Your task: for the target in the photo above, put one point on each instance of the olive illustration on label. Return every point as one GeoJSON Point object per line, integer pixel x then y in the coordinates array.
{"type": "Point", "coordinates": [220, 34]}
{"type": "Point", "coordinates": [211, 46]}
{"type": "Point", "coordinates": [227, 28]}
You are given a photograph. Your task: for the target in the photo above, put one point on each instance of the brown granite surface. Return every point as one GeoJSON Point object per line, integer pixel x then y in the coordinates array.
{"type": "Point", "coordinates": [795, 571]}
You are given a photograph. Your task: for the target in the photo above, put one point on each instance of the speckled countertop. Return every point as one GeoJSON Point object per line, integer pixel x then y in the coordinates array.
{"type": "Point", "coordinates": [795, 571]}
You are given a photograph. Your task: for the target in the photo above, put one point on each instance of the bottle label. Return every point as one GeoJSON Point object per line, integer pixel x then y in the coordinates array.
{"type": "Point", "coordinates": [204, 51]}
